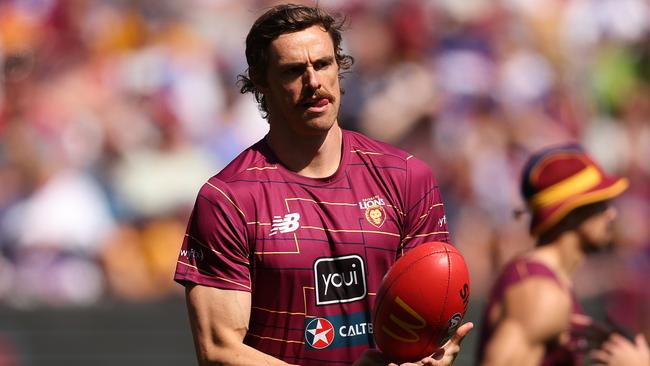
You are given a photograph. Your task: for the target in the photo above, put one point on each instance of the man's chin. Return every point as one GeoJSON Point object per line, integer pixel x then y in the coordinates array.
{"type": "Point", "coordinates": [602, 247]}
{"type": "Point", "coordinates": [320, 123]}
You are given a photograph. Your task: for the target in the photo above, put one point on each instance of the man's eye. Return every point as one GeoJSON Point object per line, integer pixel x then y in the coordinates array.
{"type": "Point", "coordinates": [295, 70]}
{"type": "Point", "coordinates": [321, 65]}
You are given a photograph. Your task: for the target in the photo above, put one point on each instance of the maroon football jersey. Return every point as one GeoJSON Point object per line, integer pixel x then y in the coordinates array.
{"type": "Point", "coordinates": [519, 269]}
{"type": "Point", "coordinates": [312, 252]}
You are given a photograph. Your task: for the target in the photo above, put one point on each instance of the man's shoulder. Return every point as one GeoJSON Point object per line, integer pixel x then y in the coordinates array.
{"type": "Point", "coordinates": [367, 146]}
{"type": "Point", "coordinates": [541, 305]}
{"type": "Point", "coordinates": [252, 165]}
{"type": "Point", "coordinates": [254, 158]}
{"type": "Point", "coordinates": [523, 267]}
{"type": "Point", "coordinates": [532, 284]}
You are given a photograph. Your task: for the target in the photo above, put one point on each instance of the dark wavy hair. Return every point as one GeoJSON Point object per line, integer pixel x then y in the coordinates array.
{"type": "Point", "coordinates": [281, 19]}
{"type": "Point", "coordinates": [572, 221]}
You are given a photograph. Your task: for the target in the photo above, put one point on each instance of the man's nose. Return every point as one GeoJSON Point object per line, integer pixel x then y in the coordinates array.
{"type": "Point", "coordinates": [310, 79]}
{"type": "Point", "coordinates": [612, 212]}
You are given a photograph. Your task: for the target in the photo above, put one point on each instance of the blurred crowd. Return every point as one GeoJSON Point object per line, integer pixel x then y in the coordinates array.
{"type": "Point", "coordinates": [114, 112]}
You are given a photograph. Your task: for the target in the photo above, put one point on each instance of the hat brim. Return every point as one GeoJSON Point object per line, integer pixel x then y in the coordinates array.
{"type": "Point", "coordinates": [545, 218]}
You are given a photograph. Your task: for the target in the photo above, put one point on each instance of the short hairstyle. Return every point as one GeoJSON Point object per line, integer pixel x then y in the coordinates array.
{"type": "Point", "coordinates": [278, 20]}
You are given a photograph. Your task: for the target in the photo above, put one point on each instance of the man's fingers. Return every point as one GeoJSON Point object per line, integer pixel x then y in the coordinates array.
{"type": "Point", "coordinates": [438, 355]}
{"type": "Point", "coordinates": [599, 355]}
{"type": "Point", "coordinates": [461, 332]}
{"type": "Point", "coordinates": [618, 339]}
{"type": "Point", "coordinates": [428, 361]}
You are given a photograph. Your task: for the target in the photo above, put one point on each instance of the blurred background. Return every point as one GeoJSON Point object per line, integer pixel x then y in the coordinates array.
{"type": "Point", "coordinates": [113, 113]}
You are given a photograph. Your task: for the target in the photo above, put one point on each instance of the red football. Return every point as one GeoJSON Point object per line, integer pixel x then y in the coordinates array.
{"type": "Point", "coordinates": [421, 302]}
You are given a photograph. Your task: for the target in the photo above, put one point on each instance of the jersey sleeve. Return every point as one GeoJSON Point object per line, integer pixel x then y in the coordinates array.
{"type": "Point", "coordinates": [215, 251]}
{"type": "Point", "coordinates": [425, 219]}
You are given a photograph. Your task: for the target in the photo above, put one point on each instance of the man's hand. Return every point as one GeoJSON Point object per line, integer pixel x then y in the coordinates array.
{"type": "Point", "coordinates": [448, 353]}
{"type": "Point", "coordinates": [619, 351]}
{"type": "Point", "coordinates": [446, 356]}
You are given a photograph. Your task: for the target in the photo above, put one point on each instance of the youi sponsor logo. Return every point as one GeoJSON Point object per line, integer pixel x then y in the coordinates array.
{"type": "Point", "coordinates": [340, 279]}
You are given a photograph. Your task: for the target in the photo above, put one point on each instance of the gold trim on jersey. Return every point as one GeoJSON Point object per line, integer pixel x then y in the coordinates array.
{"type": "Point", "coordinates": [277, 311]}
{"type": "Point", "coordinates": [297, 250]}
{"type": "Point", "coordinates": [202, 244]}
{"type": "Point", "coordinates": [207, 247]}
{"type": "Point", "coordinates": [425, 234]}
{"type": "Point", "coordinates": [262, 167]}
{"type": "Point", "coordinates": [304, 301]}
{"type": "Point", "coordinates": [396, 209]}
{"type": "Point", "coordinates": [323, 202]}
{"type": "Point", "coordinates": [274, 339]}
{"type": "Point", "coordinates": [350, 231]}
{"type": "Point", "coordinates": [429, 210]}
{"type": "Point", "coordinates": [401, 245]}
{"type": "Point", "coordinates": [213, 276]}
{"type": "Point", "coordinates": [366, 152]}
{"type": "Point", "coordinates": [228, 198]}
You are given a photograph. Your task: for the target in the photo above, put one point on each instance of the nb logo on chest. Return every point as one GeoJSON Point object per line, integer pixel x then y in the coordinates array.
{"type": "Point", "coordinates": [285, 224]}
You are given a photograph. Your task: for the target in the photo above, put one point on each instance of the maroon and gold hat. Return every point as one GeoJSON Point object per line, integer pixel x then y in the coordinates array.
{"type": "Point", "coordinates": [559, 179]}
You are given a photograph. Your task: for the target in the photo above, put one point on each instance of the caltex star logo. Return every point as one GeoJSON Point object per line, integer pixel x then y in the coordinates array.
{"type": "Point", "coordinates": [319, 333]}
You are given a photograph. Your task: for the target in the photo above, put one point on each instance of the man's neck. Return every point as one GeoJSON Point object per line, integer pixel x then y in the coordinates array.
{"type": "Point", "coordinates": [317, 156]}
{"type": "Point", "coordinates": [563, 255]}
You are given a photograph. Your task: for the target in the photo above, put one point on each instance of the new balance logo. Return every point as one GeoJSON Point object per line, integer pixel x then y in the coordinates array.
{"type": "Point", "coordinates": [285, 224]}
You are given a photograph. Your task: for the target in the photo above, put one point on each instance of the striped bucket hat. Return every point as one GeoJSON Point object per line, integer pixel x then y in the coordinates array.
{"type": "Point", "coordinates": [561, 178]}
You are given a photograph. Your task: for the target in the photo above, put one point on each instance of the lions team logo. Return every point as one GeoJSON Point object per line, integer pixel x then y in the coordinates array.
{"type": "Point", "coordinates": [319, 333]}
{"type": "Point", "coordinates": [375, 213]}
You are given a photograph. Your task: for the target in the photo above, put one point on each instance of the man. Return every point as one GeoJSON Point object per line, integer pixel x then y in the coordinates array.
{"type": "Point", "coordinates": [532, 317]}
{"type": "Point", "coordinates": [287, 245]}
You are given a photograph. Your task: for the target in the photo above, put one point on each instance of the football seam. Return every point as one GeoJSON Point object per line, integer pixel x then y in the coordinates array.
{"type": "Point", "coordinates": [444, 307]}
{"type": "Point", "coordinates": [389, 286]}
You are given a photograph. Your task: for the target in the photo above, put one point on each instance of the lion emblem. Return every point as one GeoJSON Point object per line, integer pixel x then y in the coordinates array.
{"type": "Point", "coordinates": [376, 215]}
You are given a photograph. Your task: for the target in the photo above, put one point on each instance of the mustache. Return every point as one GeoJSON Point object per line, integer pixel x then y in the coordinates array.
{"type": "Point", "coordinates": [316, 95]}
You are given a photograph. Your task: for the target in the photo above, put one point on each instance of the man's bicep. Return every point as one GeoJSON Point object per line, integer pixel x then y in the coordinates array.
{"type": "Point", "coordinates": [536, 311]}
{"type": "Point", "coordinates": [510, 344]}
{"type": "Point", "coordinates": [219, 318]}
{"type": "Point", "coordinates": [541, 307]}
